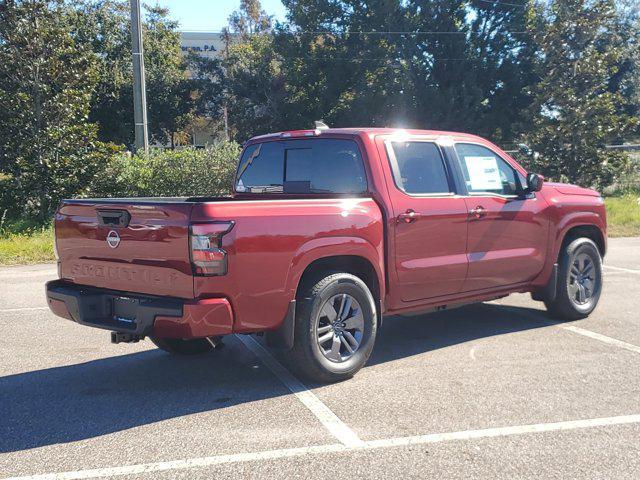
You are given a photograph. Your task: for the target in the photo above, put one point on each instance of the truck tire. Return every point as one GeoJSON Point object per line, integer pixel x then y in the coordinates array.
{"type": "Point", "coordinates": [335, 328]}
{"type": "Point", "coordinates": [579, 281]}
{"type": "Point", "coordinates": [179, 346]}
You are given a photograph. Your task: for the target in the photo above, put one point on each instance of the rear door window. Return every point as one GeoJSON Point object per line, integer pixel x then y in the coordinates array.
{"type": "Point", "coordinates": [302, 166]}
{"type": "Point", "coordinates": [419, 168]}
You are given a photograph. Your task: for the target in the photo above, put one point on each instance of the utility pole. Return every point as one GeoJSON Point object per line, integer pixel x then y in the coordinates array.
{"type": "Point", "coordinates": [139, 93]}
{"type": "Point", "coordinates": [226, 123]}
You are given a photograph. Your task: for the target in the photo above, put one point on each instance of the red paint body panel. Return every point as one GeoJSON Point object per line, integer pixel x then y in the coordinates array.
{"type": "Point", "coordinates": [202, 318]}
{"type": "Point", "coordinates": [509, 244]}
{"type": "Point", "coordinates": [272, 243]}
{"type": "Point", "coordinates": [445, 256]}
{"type": "Point", "coordinates": [152, 258]}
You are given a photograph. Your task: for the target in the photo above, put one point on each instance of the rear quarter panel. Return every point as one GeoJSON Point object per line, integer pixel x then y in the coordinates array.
{"type": "Point", "coordinates": [272, 243]}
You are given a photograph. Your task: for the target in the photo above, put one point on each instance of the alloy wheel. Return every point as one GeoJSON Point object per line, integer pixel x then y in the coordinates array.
{"type": "Point", "coordinates": [339, 327]}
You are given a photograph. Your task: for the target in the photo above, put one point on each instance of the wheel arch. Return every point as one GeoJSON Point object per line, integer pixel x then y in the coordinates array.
{"type": "Point", "coordinates": [590, 231]}
{"type": "Point", "coordinates": [343, 254]}
{"type": "Point", "coordinates": [330, 254]}
{"type": "Point", "coordinates": [356, 265]}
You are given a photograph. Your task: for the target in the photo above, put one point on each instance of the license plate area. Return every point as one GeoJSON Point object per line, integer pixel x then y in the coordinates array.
{"type": "Point", "coordinates": [125, 311]}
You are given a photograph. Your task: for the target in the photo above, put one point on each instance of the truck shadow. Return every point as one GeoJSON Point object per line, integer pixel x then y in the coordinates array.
{"type": "Point", "coordinates": [87, 400]}
{"type": "Point", "coordinates": [402, 337]}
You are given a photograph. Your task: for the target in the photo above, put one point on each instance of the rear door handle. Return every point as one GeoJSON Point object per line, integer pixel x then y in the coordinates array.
{"type": "Point", "coordinates": [478, 212]}
{"type": "Point", "coordinates": [409, 216]}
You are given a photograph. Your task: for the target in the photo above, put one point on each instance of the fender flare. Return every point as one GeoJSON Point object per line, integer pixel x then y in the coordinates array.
{"type": "Point", "coordinates": [566, 223]}
{"type": "Point", "coordinates": [319, 248]}
{"type": "Point", "coordinates": [577, 219]}
{"type": "Point", "coordinates": [316, 249]}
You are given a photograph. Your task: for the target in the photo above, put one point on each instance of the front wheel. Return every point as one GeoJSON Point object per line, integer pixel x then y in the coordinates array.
{"type": "Point", "coordinates": [335, 328]}
{"type": "Point", "coordinates": [579, 281]}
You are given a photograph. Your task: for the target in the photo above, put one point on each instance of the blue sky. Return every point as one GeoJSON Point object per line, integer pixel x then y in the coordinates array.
{"type": "Point", "coordinates": [211, 15]}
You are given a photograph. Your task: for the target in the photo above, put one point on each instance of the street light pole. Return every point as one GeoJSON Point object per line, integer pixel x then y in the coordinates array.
{"type": "Point", "coordinates": [139, 93]}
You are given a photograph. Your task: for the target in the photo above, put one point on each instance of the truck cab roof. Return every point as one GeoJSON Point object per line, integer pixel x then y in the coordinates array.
{"type": "Point", "coordinates": [364, 131]}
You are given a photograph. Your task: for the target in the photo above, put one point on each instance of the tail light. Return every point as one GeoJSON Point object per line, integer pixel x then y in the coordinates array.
{"type": "Point", "coordinates": [208, 258]}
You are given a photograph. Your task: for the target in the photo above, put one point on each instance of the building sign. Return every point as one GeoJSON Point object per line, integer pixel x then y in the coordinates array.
{"type": "Point", "coordinates": [207, 44]}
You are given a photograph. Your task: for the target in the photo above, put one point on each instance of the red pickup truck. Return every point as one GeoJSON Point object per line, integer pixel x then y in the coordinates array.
{"type": "Point", "coordinates": [327, 231]}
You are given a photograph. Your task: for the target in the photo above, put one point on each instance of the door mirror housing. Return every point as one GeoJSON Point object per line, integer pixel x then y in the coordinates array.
{"type": "Point", "coordinates": [534, 182]}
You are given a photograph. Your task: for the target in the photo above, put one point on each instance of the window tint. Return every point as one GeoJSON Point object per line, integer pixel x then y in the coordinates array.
{"type": "Point", "coordinates": [303, 166]}
{"type": "Point", "coordinates": [420, 168]}
{"type": "Point", "coordinates": [261, 168]}
{"type": "Point", "coordinates": [484, 171]}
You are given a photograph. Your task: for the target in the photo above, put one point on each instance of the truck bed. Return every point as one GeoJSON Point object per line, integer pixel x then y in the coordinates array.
{"type": "Point", "coordinates": [271, 242]}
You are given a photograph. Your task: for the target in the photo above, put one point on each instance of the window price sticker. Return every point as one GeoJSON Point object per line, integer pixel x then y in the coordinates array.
{"type": "Point", "coordinates": [483, 173]}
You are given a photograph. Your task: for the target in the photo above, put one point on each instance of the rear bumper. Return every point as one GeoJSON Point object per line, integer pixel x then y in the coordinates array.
{"type": "Point", "coordinates": [140, 314]}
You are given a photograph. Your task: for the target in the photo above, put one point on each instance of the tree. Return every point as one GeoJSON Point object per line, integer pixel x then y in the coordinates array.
{"type": "Point", "coordinates": [250, 19]}
{"type": "Point", "coordinates": [103, 26]}
{"type": "Point", "coordinates": [576, 112]}
{"type": "Point", "coordinates": [255, 95]}
{"type": "Point", "coordinates": [174, 98]}
{"type": "Point", "coordinates": [171, 105]}
{"type": "Point", "coordinates": [472, 69]}
{"type": "Point", "coordinates": [627, 78]}
{"type": "Point", "coordinates": [206, 77]}
{"type": "Point", "coordinates": [428, 64]}
{"type": "Point", "coordinates": [341, 66]}
{"type": "Point", "coordinates": [48, 150]}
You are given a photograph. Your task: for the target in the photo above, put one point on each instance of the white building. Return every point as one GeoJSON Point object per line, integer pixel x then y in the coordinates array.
{"type": "Point", "coordinates": [207, 44]}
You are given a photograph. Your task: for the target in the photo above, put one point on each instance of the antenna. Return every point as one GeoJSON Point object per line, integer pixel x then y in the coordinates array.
{"type": "Point", "coordinates": [320, 125]}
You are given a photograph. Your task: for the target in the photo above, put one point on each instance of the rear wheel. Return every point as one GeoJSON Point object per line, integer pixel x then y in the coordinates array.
{"type": "Point", "coordinates": [181, 346]}
{"type": "Point", "coordinates": [336, 324]}
{"type": "Point", "coordinates": [579, 281]}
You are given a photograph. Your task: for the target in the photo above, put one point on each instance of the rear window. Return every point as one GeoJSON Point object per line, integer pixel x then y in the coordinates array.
{"type": "Point", "coordinates": [302, 166]}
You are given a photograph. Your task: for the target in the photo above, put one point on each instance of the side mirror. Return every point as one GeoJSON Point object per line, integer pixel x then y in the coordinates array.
{"type": "Point", "coordinates": [534, 182]}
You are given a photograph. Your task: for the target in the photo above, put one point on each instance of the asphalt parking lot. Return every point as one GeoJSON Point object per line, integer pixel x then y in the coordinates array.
{"type": "Point", "coordinates": [493, 390]}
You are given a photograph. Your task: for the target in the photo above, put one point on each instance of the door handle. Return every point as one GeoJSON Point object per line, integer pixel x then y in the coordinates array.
{"type": "Point", "coordinates": [409, 216]}
{"type": "Point", "coordinates": [478, 212]}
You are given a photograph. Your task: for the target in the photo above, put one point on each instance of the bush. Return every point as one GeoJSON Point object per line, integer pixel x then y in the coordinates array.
{"type": "Point", "coordinates": [629, 180]}
{"type": "Point", "coordinates": [32, 197]}
{"type": "Point", "coordinates": [169, 173]}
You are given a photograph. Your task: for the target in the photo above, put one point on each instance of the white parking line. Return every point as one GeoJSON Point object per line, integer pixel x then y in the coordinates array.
{"type": "Point", "coordinates": [620, 269]}
{"type": "Point", "coordinates": [22, 309]}
{"type": "Point", "coordinates": [330, 420]}
{"type": "Point", "coordinates": [602, 338]}
{"type": "Point", "coordinates": [202, 462]}
{"type": "Point", "coordinates": [580, 331]}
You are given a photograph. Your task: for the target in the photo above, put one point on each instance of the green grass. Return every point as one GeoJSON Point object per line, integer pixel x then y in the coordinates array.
{"type": "Point", "coordinates": [623, 215]}
{"type": "Point", "coordinates": [32, 246]}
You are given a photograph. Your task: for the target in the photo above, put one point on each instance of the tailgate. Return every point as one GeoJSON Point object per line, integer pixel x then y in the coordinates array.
{"type": "Point", "coordinates": [136, 246]}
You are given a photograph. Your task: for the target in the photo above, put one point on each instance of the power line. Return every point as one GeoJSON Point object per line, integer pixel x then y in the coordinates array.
{"type": "Point", "coordinates": [496, 2]}
{"type": "Point", "coordinates": [379, 32]}
{"type": "Point", "coordinates": [366, 32]}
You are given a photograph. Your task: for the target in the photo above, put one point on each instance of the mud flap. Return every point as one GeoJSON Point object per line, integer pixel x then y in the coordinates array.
{"type": "Point", "coordinates": [548, 292]}
{"type": "Point", "coordinates": [282, 338]}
